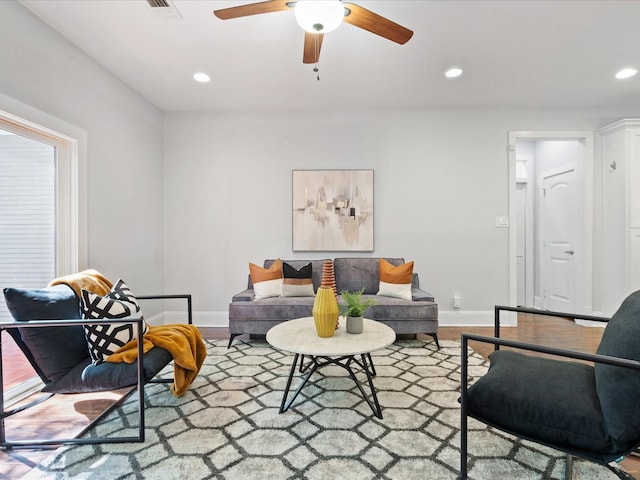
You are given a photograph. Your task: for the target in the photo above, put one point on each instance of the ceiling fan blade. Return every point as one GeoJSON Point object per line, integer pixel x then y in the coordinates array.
{"type": "Point", "coordinates": [312, 44]}
{"type": "Point", "coordinates": [374, 23]}
{"type": "Point", "coordinates": [253, 9]}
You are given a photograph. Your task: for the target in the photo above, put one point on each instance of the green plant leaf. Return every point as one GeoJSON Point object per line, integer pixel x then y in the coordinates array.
{"type": "Point", "coordinates": [354, 306]}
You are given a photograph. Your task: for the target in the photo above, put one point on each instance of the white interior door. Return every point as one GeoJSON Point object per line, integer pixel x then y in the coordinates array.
{"type": "Point", "coordinates": [560, 233]}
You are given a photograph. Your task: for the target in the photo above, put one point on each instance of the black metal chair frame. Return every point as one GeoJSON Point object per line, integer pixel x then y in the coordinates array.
{"type": "Point", "coordinates": [139, 387]}
{"type": "Point", "coordinates": [497, 342]}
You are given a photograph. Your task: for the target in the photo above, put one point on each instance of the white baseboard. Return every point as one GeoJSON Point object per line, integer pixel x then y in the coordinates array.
{"type": "Point", "coordinates": [469, 318]}
{"type": "Point", "coordinates": [200, 319]}
{"type": "Point", "coordinates": [538, 302]}
{"type": "Point", "coordinates": [472, 318]}
{"type": "Point", "coordinates": [15, 395]}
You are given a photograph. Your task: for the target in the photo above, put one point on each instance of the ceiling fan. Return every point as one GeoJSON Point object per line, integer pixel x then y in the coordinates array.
{"type": "Point", "coordinates": [318, 17]}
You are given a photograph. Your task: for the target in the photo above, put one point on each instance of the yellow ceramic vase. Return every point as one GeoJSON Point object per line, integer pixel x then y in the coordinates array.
{"type": "Point", "coordinates": [325, 312]}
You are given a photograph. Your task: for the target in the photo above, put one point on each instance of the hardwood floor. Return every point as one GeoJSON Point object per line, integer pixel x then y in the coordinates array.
{"type": "Point", "coordinates": [69, 414]}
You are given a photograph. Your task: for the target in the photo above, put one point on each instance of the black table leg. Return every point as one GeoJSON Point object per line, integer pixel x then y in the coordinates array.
{"type": "Point", "coordinates": [366, 363]}
{"type": "Point", "coordinates": [284, 406]}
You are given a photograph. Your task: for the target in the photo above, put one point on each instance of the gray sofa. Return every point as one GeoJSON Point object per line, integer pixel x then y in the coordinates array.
{"type": "Point", "coordinates": [419, 315]}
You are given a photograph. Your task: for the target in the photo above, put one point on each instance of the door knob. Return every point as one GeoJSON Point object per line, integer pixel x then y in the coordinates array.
{"type": "Point", "coordinates": [570, 252]}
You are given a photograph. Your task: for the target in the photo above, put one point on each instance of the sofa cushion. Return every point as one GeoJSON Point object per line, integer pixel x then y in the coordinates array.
{"type": "Point", "coordinates": [354, 274]}
{"type": "Point", "coordinates": [52, 351]}
{"type": "Point", "coordinates": [267, 282]}
{"type": "Point", "coordinates": [297, 282]}
{"type": "Point", "coordinates": [105, 339]}
{"type": "Point", "coordinates": [316, 268]}
{"type": "Point", "coordinates": [395, 281]}
{"type": "Point", "coordinates": [273, 308]}
{"type": "Point", "coordinates": [618, 387]}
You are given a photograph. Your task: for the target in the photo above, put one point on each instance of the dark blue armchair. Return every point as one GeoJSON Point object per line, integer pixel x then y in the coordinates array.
{"type": "Point", "coordinates": [588, 410]}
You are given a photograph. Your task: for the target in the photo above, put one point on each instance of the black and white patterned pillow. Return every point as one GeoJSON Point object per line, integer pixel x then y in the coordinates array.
{"type": "Point", "coordinates": [104, 340]}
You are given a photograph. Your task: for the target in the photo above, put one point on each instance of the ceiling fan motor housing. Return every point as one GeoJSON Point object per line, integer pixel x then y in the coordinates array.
{"type": "Point", "coordinates": [319, 16]}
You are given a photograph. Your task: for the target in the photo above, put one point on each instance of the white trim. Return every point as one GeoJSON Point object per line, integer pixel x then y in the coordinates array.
{"type": "Point", "coordinates": [71, 152]}
{"type": "Point", "coordinates": [71, 234]}
{"type": "Point", "coordinates": [201, 319]}
{"type": "Point", "coordinates": [16, 394]}
{"type": "Point", "coordinates": [66, 149]}
{"type": "Point", "coordinates": [469, 318]}
{"type": "Point", "coordinates": [587, 187]}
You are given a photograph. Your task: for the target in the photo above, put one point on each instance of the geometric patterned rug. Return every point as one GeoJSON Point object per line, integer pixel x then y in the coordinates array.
{"type": "Point", "coordinates": [228, 427]}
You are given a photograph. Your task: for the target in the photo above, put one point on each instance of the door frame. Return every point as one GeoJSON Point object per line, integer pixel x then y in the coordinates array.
{"type": "Point", "coordinates": [585, 283]}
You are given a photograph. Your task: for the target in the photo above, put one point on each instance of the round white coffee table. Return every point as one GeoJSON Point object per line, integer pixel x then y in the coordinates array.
{"type": "Point", "coordinates": [299, 336]}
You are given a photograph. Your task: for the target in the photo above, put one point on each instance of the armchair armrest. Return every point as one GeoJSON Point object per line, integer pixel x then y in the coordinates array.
{"type": "Point", "coordinates": [560, 352]}
{"type": "Point", "coordinates": [187, 296]}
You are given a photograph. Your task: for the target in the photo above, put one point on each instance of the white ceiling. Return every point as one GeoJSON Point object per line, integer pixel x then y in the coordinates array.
{"type": "Point", "coordinates": [515, 53]}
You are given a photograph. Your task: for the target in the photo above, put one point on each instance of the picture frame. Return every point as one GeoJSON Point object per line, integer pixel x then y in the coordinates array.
{"type": "Point", "coordinates": [332, 210]}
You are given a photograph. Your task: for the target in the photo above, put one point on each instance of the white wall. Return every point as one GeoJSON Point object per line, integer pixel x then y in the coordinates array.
{"type": "Point", "coordinates": [440, 180]}
{"type": "Point", "coordinates": [46, 80]}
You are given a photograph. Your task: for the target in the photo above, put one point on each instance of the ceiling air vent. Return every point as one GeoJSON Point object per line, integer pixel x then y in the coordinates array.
{"type": "Point", "coordinates": [158, 3]}
{"type": "Point", "coordinates": [164, 9]}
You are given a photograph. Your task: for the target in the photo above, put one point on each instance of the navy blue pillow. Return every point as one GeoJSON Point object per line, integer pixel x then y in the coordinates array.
{"type": "Point", "coordinates": [52, 351]}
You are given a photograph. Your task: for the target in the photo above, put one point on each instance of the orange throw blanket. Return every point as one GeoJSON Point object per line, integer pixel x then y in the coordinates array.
{"type": "Point", "coordinates": [185, 344]}
{"type": "Point", "coordinates": [90, 280]}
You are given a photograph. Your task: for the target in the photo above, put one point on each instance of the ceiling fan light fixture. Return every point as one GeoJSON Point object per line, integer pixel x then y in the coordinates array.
{"type": "Point", "coordinates": [319, 16]}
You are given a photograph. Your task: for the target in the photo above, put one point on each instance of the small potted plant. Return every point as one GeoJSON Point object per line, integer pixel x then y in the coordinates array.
{"type": "Point", "coordinates": [354, 308]}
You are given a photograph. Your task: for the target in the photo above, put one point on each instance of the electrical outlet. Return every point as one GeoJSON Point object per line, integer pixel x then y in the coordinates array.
{"type": "Point", "coordinates": [456, 300]}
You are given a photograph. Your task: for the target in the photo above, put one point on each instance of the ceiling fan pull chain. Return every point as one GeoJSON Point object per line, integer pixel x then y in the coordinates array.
{"type": "Point", "coordinates": [316, 69]}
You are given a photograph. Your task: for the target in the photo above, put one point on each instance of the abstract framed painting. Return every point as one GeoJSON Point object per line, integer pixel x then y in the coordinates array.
{"type": "Point", "coordinates": [332, 210]}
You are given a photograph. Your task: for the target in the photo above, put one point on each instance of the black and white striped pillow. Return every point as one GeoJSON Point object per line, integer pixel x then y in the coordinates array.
{"type": "Point", "coordinates": [103, 340]}
{"type": "Point", "coordinates": [297, 283]}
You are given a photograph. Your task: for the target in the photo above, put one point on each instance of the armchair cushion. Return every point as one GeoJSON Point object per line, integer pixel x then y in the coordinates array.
{"type": "Point", "coordinates": [618, 388]}
{"type": "Point", "coordinates": [513, 397]}
{"type": "Point", "coordinates": [52, 352]}
{"type": "Point", "coordinates": [88, 377]}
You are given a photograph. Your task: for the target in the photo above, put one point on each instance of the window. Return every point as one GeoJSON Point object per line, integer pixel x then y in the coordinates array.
{"type": "Point", "coordinates": [38, 221]}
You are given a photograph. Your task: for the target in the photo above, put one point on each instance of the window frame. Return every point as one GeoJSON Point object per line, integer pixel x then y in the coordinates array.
{"type": "Point", "coordinates": [67, 211]}
{"type": "Point", "coordinates": [66, 193]}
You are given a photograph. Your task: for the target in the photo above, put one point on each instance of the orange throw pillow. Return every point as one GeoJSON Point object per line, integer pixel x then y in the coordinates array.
{"type": "Point", "coordinates": [395, 281]}
{"type": "Point", "coordinates": [267, 282]}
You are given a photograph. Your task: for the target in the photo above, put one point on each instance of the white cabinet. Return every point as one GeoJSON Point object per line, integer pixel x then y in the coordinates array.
{"type": "Point", "coordinates": [621, 154]}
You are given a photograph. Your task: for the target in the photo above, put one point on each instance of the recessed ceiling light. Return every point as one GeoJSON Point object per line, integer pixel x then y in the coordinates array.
{"type": "Point", "coordinates": [626, 73]}
{"type": "Point", "coordinates": [201, 77]}
{"type": "Point", "coordinates": [453, 72]}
